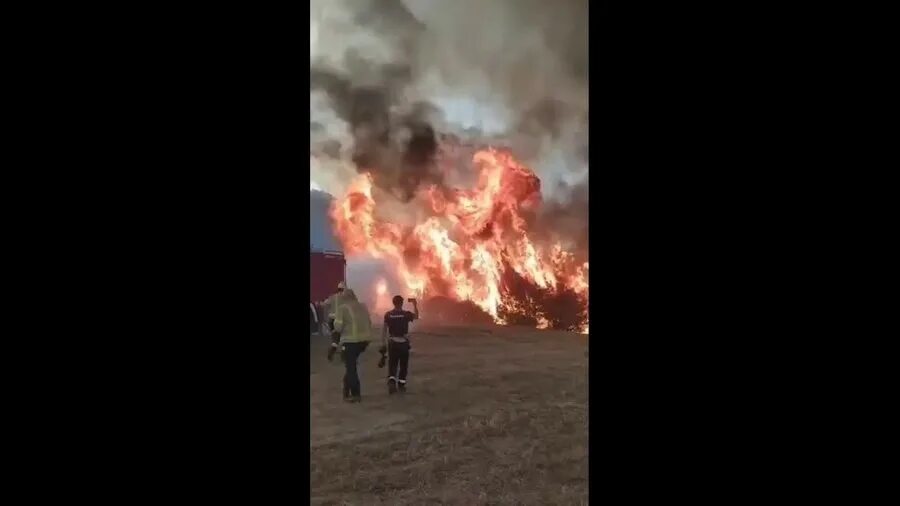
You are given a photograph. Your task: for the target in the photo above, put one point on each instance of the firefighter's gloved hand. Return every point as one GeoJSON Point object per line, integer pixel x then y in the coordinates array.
{"type": "Point", "coordinates": [331, 350]}
{"type": "Point", "coordinates": [342, 353]}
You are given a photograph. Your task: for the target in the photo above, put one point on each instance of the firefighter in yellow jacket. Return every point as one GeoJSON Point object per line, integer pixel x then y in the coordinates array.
{"type": "Point", "coordinates": [330, 306]}
{"type": "Point", "coordinates": [353, 324]}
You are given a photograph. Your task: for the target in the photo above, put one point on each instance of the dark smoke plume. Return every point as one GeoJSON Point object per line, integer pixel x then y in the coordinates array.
{"type": "Point", "coordinates": [400, 75]}
{"type": "Point", "coordinates": [397, 149]}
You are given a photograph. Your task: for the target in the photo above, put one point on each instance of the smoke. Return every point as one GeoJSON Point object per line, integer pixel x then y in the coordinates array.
{"type": "Point", "coordinates": [408, 90]}
{"type": "Point", "coordinates": [363, 275]}
{"type": "Point", "coordinates": [391, 79]}
{"type": "Point", "coordinates": [565, 220]}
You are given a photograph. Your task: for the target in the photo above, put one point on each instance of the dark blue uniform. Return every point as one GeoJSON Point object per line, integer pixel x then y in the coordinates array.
{"type": "Point", "coordinates": [397, 322]}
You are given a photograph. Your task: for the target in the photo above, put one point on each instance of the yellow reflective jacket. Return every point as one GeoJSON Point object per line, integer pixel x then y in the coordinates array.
{"type": "Point", "coordinates": [330, 305]}
{"type": "Point", "coordinates": [352, 320]}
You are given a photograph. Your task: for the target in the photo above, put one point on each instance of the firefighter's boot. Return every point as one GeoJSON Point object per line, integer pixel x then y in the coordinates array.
{"type": "Point", "coordinates": [392, 386]}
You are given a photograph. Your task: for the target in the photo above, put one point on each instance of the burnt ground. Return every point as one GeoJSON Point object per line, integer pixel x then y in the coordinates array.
{"type": "Point", "coordinates": [493, 415]}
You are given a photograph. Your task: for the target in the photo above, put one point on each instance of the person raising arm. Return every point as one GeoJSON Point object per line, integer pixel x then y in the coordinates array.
{"type": "Point", "coordinates": [395, 337]}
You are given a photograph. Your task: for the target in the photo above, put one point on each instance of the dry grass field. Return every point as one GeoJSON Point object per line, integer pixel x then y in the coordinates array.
{"type": "Point", "coordinates": [493, 415]}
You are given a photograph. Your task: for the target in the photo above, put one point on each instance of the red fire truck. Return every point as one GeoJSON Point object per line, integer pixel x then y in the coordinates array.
{"type": "Point", "coordinates": [327, 268]}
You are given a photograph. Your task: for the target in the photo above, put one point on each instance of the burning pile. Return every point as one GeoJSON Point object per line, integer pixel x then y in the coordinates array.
{"type": "Point", "coordinates": [473, 245]}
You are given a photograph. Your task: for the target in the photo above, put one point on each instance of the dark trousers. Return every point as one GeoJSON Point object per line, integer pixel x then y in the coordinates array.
{"type": "Point", "coordinates": [398, 355]}
{"type": "Point", "coordinates": [352, 352]}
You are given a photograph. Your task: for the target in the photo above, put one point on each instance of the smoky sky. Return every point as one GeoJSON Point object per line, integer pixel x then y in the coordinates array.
{"type": "Point", "coordinates": [389, 78]}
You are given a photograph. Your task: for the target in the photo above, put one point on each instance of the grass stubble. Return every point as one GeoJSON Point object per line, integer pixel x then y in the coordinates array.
{"type": "Point", "coordinates": [493, 416]}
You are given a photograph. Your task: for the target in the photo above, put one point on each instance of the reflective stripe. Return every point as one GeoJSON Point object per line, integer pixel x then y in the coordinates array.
{"type": "Point", "coordinates": [402, 381]}
{"type": "Point", "coordinates": [355, 323]}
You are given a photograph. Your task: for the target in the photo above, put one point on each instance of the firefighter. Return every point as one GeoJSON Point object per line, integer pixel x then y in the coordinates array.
{"type": "Point", "coordinates": [353, 325]}
{"type": "Point", "coordinates": [330, 305]}
{"type": "Point", "coordinates": [396, 326]}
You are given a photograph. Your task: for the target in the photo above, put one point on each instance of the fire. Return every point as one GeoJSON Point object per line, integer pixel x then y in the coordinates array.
{"type": "Point", "coordinates": [381, 297]}
{"type": "Point", "coordinates": [473, 245]}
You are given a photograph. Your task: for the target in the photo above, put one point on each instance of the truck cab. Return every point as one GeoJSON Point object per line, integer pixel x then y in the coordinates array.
{"type": "Point", "coordinates": [327, 265]}
{"type": "Point", "coordinates": [326, 270]}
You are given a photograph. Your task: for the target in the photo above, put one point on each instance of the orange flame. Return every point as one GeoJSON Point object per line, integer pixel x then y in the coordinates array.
{"type": "Point", "coordinates": [472, 246]}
